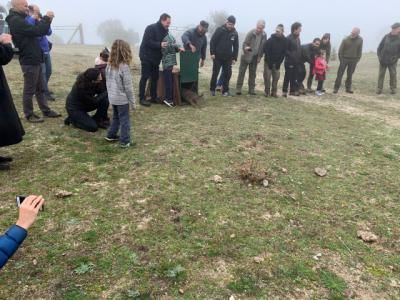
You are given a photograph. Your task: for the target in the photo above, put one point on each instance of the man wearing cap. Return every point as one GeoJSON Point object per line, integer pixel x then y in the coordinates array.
{"type": "Point", "coordinates": [274, 54]}
{"type": "Point", "coordinates": [350, 53]}
{"type": "Point", "coordinates": [252, 54]}
{"type": "Point", "coordinates": [195, 40]}
{"type": "Point", "coordinates": [224, 50]}
{"type": "Point", "coordinates": [389, 54]}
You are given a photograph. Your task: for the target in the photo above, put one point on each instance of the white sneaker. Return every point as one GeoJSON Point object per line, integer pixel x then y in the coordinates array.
{"type": "Point", "coordinates": [319, 93]}
{"type": "Point", "coordinates": [167, 103]}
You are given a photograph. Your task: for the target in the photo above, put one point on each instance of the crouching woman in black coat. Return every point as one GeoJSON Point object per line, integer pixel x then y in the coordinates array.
{"type": "Point", "coordinates": [86, 96]}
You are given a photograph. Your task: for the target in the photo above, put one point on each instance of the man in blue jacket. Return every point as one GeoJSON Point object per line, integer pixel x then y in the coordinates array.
{"type": "Point", "coordinates": [13, 238]}
{"type": "Point", "coordinates": [150, 56]}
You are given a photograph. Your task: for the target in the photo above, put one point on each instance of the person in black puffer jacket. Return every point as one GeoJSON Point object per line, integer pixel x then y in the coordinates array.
{"type": "Point", "coordinates": [86, 96]}
{"type": "Point", "coordinates": [224, 50]}
{"type": "Point", "coordinates": [292, 60]}
{"type": "Point", "coordinates": [150, 56]}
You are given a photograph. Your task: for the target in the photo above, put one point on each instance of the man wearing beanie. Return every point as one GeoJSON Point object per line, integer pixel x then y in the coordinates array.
{"type": "Point", "coordinates": [224, 50]}
{"type": "Point", "coordinates": [389, 54]}
{"type": "Point", "coordinates": [274, 54]}
{"type": "Point", "coordinates": [195, 40]}
{"type": "Point", "coordinates": [252, 54]}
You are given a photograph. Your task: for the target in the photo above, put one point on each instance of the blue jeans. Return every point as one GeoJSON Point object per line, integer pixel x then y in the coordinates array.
{"type": "Point", "coordinates": [169, 84]}
{"type": "Point", "coordinates": [47, 70]}
{"type": "Point", "coordinates": [120, 121]}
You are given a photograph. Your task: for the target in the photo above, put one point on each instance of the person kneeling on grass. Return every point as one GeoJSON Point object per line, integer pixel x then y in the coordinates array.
{"type": "Point", "coordinates": [169, 61]}
{"type": "Point", "coordinates": [120, 92]}
{"type": "Point", "coordinates": [86, 96]}
{"type": "Point", "coordinates": [319, 70]}
{"type": "Point", "coordinates": [13, 238]}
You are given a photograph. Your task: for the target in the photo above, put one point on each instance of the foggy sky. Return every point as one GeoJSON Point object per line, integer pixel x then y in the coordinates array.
{"type": "Point", "coordinates": [374, 17]}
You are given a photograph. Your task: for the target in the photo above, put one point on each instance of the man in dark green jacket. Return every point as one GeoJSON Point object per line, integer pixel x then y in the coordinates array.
{"type": "Point", "coordinates": [389, 54]}
{"type": "Point", "coordinates": [350, 53]}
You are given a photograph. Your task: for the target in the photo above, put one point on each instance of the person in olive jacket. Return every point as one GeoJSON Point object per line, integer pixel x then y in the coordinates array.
{"type": "Point", "coordinates": [252, 53]}
{"type": "Point", "coordinates": [224, 50]}
{"type": "Point", "coordinates": [389, 54]}
{"type": "Point", "coordinates": [350, 53]}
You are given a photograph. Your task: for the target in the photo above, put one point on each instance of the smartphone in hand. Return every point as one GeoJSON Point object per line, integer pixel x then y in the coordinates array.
{"type": "Point", "coordinates": [21, 199]}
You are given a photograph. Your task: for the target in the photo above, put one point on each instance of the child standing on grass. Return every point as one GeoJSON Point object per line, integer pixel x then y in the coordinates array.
{"type": "Point", "coordinates": [320, 69]}
{"type": "Point", "coordinates": [168, 62]}
{"type": "Point", "coordinates": [120, 92]}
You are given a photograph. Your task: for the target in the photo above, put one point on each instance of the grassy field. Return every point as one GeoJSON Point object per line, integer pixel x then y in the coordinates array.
{"type": "Point", "coordinates": [151, 222]}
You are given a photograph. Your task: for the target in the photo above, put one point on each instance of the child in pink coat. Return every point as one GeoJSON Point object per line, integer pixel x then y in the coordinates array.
{"type": "Point", "coordinates": [320, 69]}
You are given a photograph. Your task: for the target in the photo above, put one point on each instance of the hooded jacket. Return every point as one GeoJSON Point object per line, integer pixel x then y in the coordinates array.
{"type": "Point", "coordinates": [25, 37]}
{"type": "Point", "coordinates": [389, 50]}
{"type": "Point", "coordinates": [224, 44]}
{"type": "Point", "coordinates": [150, 48]}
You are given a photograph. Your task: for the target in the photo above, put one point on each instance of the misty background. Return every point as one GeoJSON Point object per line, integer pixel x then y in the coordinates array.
{"type": "Point", "coordinates": [337, 17]}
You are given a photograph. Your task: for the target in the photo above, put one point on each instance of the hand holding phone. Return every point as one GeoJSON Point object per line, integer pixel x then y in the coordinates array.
{"type": "Point", "coordinates": [28, 210]}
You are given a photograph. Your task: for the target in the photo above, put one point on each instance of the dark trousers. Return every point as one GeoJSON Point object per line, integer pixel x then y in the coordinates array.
{"type": "Point", "coordinates": [226, 65]}
{"type": "Point", "coordinates": [120, 122]}
{"type": "Point", "coordinates": [320, 86]}
{"type": "Point", "coordinates": [33, 85]}
{"type": "Point", "coordinates": [301, 76]}
{"type": "Point", "coordinates": [273, 73]}
{"type": "Point", "coordinates": [169, 84]}
{"type": "Point", "coordinates": [393, 76]}
{"type": "Point", "coordinates": [82, 120]}
{"type": "Point", "coordinates": [46, 73]}
{"type": "Point", "coordinates": [149, 70]}
{"type": "Point", "coordinates": [291, 76]}
{"type": "Point", "coordinates": [350, 65]}
{"type": "Point", "coordinates": [310, 77]}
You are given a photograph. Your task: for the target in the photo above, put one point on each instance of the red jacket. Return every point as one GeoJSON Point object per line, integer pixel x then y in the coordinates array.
{"type": "Point", "coordinates": [320, 66]}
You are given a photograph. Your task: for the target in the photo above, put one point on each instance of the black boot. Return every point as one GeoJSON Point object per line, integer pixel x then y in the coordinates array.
{"type": "Point", "coordinates": [5, 159]}
{"type": "Point", "coordinates": [4, 166]}
{"type": "Point", "coordinates": [145, 103]}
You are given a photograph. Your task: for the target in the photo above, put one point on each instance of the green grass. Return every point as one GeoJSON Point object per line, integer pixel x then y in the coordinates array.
{"type": "Point", "coordinates": [149, 221]}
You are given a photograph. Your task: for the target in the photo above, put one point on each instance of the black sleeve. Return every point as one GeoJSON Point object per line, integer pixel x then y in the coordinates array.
{"type": "Point", "coordinates": [20, 26]}
{"type": "Point", "coordinates": [204, 49]}
{"type": "Point", "coordinates": [380, 47]}
{"type": "Point", "coordinates": [214, 40]}
{"type": "Point", "coordinates": [236, 47]}
{"type": "Point", "coordinates": [6, 54]}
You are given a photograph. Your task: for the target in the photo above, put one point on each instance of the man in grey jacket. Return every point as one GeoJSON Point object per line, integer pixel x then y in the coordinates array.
{"type": "Point", "coordinates": [389, 54]}
{"type": "Point", "coordinates": [195, 40]}
{"type": "Point", "coordinates": [252, 49]}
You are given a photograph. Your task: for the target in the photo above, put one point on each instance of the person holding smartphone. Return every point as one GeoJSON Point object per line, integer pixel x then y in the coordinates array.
{"type": "Point", "coordinates": [13, 238]}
